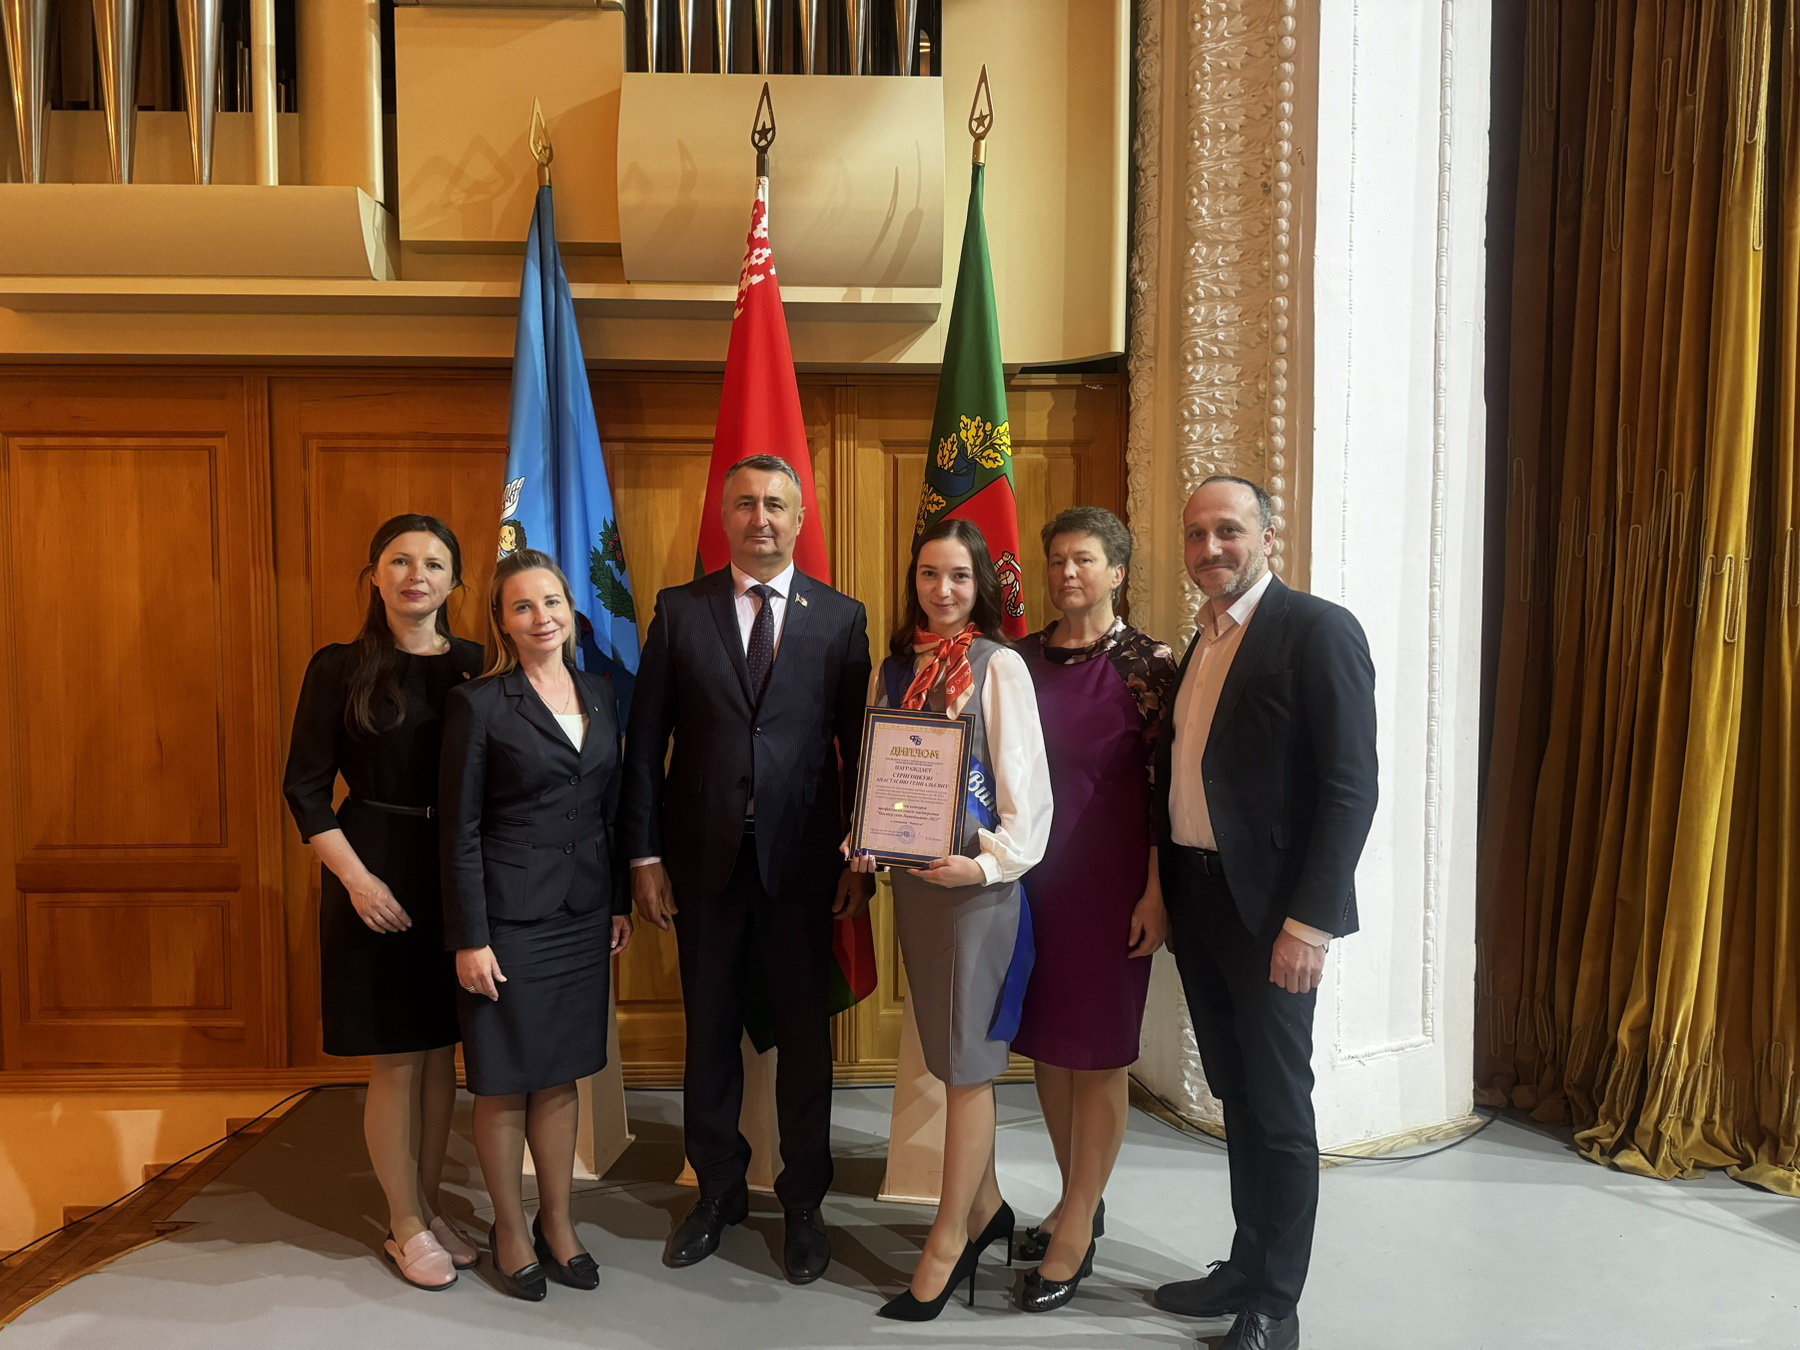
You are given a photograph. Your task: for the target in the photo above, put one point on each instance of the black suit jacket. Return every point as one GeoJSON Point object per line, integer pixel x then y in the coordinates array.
{"type": "Point", "coordinates": [693, 685]}
{"type": "Point", "coordinates": [1289, 766]}
{"type": "Point", "coordinates": [528, 823]}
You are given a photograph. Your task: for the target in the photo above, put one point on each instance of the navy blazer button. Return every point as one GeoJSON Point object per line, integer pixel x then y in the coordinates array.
{"type": "Point", "coordinates": [568, 848]}
{"type": "Point", "coordinates": [575, 779]}
{"type": "Point", "coordinates": [572, 815]}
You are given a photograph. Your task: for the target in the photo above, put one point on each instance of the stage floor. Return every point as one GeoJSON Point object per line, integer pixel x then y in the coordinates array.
{"type": "Point", "coordinates": [1509, 1240]}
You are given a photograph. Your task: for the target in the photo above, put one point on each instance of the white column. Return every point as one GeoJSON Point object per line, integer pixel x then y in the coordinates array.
{"type": "Point", "coordinates": [1396, 523]}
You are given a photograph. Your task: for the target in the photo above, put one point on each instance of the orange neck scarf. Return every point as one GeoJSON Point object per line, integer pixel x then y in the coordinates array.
{"type": "Point", "coordinates": [949, 662]}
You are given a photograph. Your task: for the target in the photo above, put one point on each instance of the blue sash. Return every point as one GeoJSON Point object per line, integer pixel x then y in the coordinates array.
{"type": "Point", "coordinates": [896, 677]}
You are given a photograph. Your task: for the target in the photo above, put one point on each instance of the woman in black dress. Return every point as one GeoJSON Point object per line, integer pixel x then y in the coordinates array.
{"type": "Point", "coordinates": [372, 711]}
{"type": "Point", "coordinates": [535, 906]}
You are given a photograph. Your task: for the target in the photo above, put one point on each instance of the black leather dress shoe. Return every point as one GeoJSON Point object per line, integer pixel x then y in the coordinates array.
{"type": "Point", "coordinates": [1219, 1293]}
{"type": "Point", "coordinates": [697, 1237]}
{"type": "Point", "coordinates": [807, 1250]}
{"type": "Point", "coordinates": [1259, 1331]}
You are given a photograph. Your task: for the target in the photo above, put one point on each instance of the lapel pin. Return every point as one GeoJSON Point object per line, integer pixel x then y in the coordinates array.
{"type": "Point", "coordinates": [801, 601]}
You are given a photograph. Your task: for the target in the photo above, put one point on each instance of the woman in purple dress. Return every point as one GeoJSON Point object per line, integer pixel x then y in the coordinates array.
{"type": "Point", "coordinates": [1096, 903]}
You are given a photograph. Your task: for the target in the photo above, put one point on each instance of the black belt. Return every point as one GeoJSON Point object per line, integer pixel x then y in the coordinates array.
{"type": "Point", "coordinates": [422, 812]}
{"type": "Point", "coordinates": [1206, 859]}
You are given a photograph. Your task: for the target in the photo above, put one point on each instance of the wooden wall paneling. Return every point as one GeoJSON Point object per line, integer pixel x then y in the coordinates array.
{"type": "Point", "coordinates": [349, 452]}
{"type": "Point", "coordinates": [274, 483]}
{"type": "Point", "coordinates": [270, 731]}
{"type": "Point", "coordinates": [657, 437]}
{"type": "Point", "coordinates": [135, 904]}
{"type": "Point", "coordinates": [14, 973]}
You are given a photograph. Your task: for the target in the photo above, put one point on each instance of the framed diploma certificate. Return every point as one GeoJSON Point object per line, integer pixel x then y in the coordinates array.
{"type": "Point", "coordinates": [911, 787]}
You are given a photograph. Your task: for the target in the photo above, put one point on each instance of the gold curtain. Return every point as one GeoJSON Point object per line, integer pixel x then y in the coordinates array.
{"type": "Point", "coordinates": [1639, 951]}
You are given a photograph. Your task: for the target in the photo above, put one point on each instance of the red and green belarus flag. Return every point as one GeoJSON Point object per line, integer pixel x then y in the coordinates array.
{"type": "Point", "coordinates": [969, 463]}
{"type": "Point", "coordinates": [759, 413]}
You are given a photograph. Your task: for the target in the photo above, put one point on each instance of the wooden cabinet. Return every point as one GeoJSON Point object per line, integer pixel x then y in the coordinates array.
{"type": "Point", "coordinates": [179, 543]}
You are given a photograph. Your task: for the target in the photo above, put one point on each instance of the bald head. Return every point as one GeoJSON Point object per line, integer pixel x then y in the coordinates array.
{"type": "Point", "coordinates": [1227, 536]}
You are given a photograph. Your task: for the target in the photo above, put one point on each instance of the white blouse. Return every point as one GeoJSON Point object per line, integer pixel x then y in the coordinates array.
{"type": "Point", "coordinates": [1019, 769]}
{"type": "Point", "coordinates": [574, 726]}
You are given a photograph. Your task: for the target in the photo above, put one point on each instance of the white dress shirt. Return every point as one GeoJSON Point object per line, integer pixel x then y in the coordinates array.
{"type": "Point", "coordinates": [1020, 771]}
{"type": "Point", "coordinates": [1216, 642]}
{"type": "Point", "coordinates": [747, 604]}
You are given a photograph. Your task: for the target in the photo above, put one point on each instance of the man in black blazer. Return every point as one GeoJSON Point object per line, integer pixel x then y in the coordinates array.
{"type": "Point", "coordinates": [1266, 790]}
{"type": "Point", "coordinates": [760, 674]}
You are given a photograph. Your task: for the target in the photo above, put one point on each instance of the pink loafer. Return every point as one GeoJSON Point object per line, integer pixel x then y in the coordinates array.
{"type": "Point", "coordinates": [451, 1239]}
{"type": "Point", "coordinates": [422, 1262]}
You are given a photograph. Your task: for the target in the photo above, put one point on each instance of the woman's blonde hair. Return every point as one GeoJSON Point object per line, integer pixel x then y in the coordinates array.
{"type": "Point", "coordinates": [502, 655]}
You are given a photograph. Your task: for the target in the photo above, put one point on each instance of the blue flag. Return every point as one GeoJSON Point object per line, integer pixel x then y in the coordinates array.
{"type": "Point", "coordinates": [557, 498]}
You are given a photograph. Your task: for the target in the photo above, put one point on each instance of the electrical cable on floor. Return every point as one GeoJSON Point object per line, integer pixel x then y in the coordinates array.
{"type": "Point", "coordinates": [1169, 1115]}
{"type": "Point", "coordinates": [161, 1173]}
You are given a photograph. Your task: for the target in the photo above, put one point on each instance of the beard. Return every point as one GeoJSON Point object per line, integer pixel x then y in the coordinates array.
{"type": "Point", "coordinates": [1239, 582]}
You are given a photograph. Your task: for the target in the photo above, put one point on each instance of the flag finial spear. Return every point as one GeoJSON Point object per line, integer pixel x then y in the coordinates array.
{"type": "Point", "coordinates": [762, 131]}
{"type": "Point", "coordinates": [981, 115]}
{"type": "Point", "coordinates": [541, 150]}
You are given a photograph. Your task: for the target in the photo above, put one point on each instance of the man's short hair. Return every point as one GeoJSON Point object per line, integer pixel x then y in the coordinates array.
{"type": "Point", "coordinates": [766, 464]}
{"type": "Point", "coordinates": [1265, 505]}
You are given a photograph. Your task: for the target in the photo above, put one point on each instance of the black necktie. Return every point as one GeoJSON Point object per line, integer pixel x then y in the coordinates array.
{"type": "Point", "coordinates": [760, 654]}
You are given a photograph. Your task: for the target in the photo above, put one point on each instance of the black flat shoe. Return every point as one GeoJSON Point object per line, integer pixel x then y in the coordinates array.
{"type": "Point", "coordinates": [527, 1282]}
{"type": "Point", "coordinates": [1037, 1239]}
{"type": "Point", "coordinates": [1041, 1293]}
{"type": "Point", "coordinates": [999, 1229]}
{"type": "Point", "coordinates": [904, 1307]}
{"type": "Point", "coordinates": [697, 1236]}
{"type": "Point", "coordinates": [581, 1271]}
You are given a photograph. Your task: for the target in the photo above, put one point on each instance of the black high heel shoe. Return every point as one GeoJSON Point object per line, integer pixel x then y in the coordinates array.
{"type": "Point", "coordinates": [527, 1282]}
{"type": "Point", "coordinates": [1037, 1240]}
{"type": "Point", "coordinates": [1041, 1293]}
{"type": "Point", "coordinates": [581, 1271]}
{"type": "Point", "coordinates": [999, 1228]}
{"type": "Point", "coordinates": [905, 1307]}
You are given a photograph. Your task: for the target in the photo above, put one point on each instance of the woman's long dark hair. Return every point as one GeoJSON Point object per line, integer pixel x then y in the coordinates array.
{"type": "Point", "coordinates": [988, 616]}
{"type": "Point", "coordinates": [375, 703]}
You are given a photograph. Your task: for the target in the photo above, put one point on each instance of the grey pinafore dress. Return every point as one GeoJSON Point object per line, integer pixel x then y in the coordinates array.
{"type": "Point", "coordinates": [958, 942]}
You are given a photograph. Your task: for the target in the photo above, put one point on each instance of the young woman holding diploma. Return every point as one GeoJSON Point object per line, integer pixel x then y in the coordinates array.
{"type": "Point", "coordinates": [959, 917]}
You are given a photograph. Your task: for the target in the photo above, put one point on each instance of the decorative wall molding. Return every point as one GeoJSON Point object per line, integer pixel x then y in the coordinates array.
{"type": "Point", "coordinates": [1143, 298]}
{"type": "Point", "coordinates": [1215, 287]}
{"type": "Point", "coordinates": [1214, 226]}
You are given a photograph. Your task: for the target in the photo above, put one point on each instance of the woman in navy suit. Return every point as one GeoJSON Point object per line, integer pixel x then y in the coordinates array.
{"type": "Point", "coordinates": [534, 906]}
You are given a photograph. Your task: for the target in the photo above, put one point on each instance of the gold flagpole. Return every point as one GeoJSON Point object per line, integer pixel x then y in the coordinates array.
{"type": "Point", "coordinates": [541, 149]}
